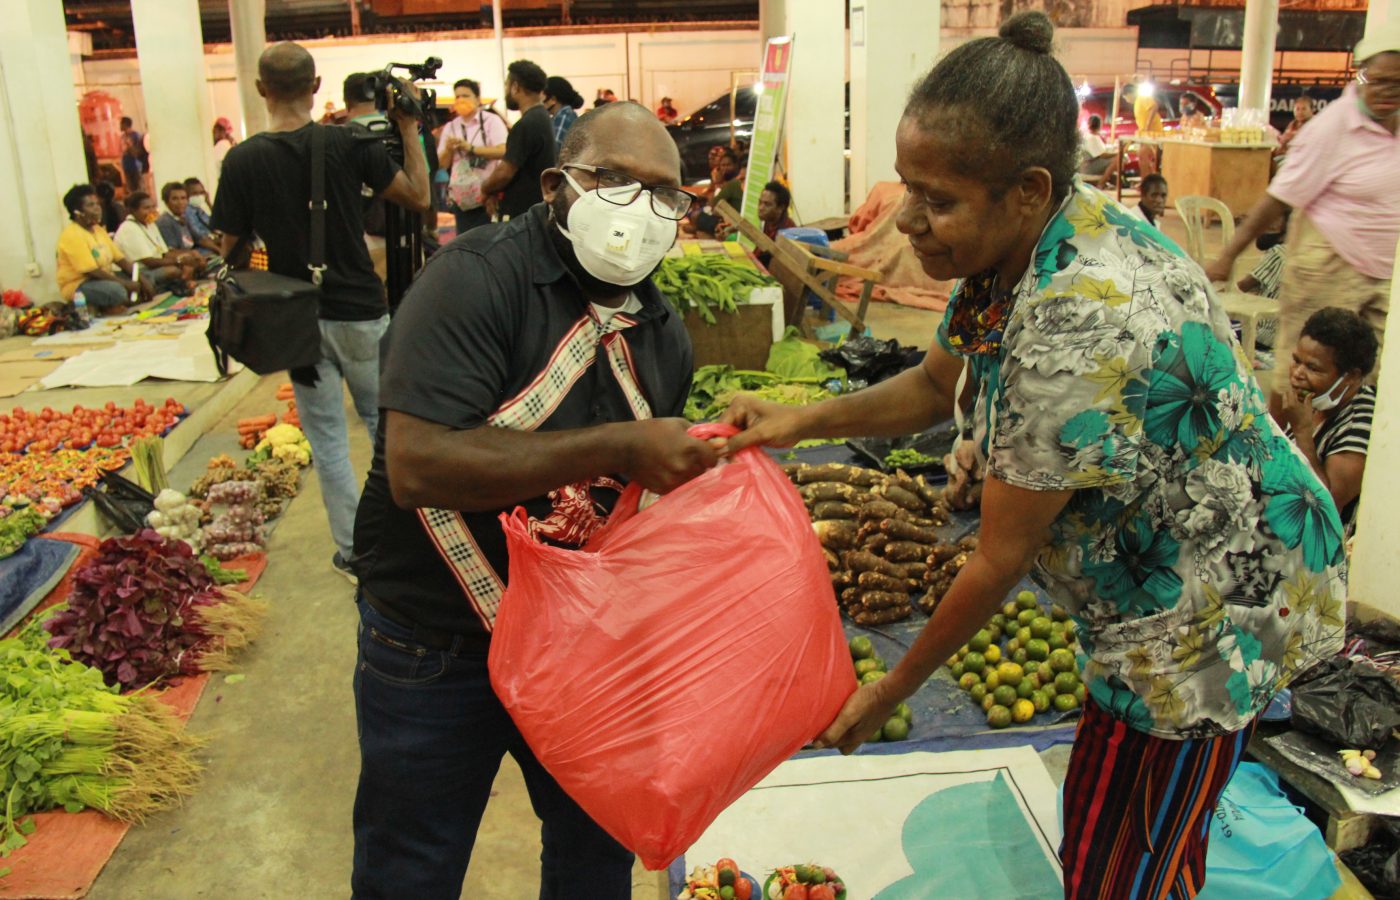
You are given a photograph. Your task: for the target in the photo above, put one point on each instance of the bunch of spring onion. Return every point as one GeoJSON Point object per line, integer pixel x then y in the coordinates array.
{"type": "Point", "coordinates": [67, 739]}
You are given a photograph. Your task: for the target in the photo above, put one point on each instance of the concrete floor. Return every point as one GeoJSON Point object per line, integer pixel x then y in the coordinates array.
{"type": "Point", "coordinates": [272, 816]}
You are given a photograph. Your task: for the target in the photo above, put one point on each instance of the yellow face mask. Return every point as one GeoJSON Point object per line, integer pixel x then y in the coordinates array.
{"type": "Point", "coordinates": [464, 107]}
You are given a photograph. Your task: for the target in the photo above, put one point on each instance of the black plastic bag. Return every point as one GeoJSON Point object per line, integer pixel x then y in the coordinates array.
{"type": "Point", "coordinates": [1352, 703]}
{"type": "Point", "coordinates": [868, 361]}
{"type": "Point", "coordinates": [1377, 864]}
{"type": "Point", "coordinates": [124, 503]}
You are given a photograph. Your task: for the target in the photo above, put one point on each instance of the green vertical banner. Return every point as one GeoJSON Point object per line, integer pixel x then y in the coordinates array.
{"type": "Point", "coordinates": [767, 125]}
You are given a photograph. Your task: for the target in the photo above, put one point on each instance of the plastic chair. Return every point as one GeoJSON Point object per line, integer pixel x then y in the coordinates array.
{"type": "Point", "coordinates": [1195, 214]}
{"type": "Point", "coordinates": [1247, 309]}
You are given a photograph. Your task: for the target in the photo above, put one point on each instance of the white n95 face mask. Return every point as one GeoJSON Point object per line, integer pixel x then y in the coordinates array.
{"type": "Point", "coordinates": [1329, 398]}
{"type": "Point", "coordinates": [617, 244]}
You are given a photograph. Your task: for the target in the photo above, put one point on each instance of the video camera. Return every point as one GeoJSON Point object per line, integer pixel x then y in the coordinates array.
{"type": "Point", "coordinates": [389, 91]}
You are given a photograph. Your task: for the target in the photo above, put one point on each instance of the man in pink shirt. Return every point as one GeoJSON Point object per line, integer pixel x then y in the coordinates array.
{"type": "Point", "coordinates": [1342, 181]}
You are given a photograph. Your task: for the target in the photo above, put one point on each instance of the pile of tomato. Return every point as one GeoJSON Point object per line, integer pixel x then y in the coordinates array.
{"type": "Point", "coordinates": [109, 426]}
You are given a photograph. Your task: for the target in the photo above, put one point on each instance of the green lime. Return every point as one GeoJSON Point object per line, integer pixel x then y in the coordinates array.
{"type": "Point", "coordinates": [968, 680]}
{"type": "Point", "coordinates": [1025, 689]}
{"type": "Point", "coordinates": [880, 664]}
{"type": "Point", "coordinates": [1004, 695]}
{"type": "Point", "coordinates": [871, 677]}
{"type": "Point", "coordinates": [974, 662]}
{"type": "Point", "coordinates": [1065, 702]}
{"type": "Point", "coordinates": [988, 702]}
{"type": "Point", "coordinates": [1010, 673]}
{"type": "Point", "coordinates": [994, 632]}
{"type": "Point", "coordinates": [896, 729]}
{"type": "Point", "coordinates": [866, 665]}
{"type": "Point", "coordinates": [977, 692]}
{"type": "Point", "coordinates": [1027, 616]}
{"type": "Point", "coordinates": [1058, 613]}
{"type": "Point", "coordinates": [1013, 645]}
{"type": "Point", "coordinates": [980, 641]}
{"type": "Point", "coordinates": [991, 679]}
{"type": "Point", "coordinates": [1062, 660]}
{"type": "Point", "coordinates": [904, 712]}
{"type": "Point", "coordinates": [1010, 609]}
{"type": "Point", "coordinates": [1058, 641]}
{"type": "Point", "coordinates": [1020, 656]}
{"type": "Point", "coordinates": [957, 670]}
{"type": "Point", "coordinates": [1026, 600]}
{"type": "Point", "coordinates": [1031, 666]}
{"type": "Point", "coordinates": [1081, 694]}
{"type": "Point", "coordinates": [1023, 634]}
{"type": "Point", "coordinates": [1040, 627]}
{"type": "Point", "coordinates": [861, 648]}
{"type": "Point", "coordinates": [1038, 649]}
{"type": "Point", "coordinates": [1066, 682]}
{"type": "Point", "coordinates": [992, 655]}
{"type": "Point", "coordinates": [998, 717]}
{"type": "Point", "coordinates": [1022, 710]}
{"type": "Point", "coordinates": [999, 620]}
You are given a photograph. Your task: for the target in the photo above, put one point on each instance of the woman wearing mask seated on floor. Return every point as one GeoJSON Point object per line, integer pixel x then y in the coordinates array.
{"type": "Point", "coordinates": [90, 262]}
{"type": "Point", "coordinates": [1328, 412]}
{"type": "Point", "coordinates": [1131, 465]}
{"type": "Point", "coordinates": [141, 242]}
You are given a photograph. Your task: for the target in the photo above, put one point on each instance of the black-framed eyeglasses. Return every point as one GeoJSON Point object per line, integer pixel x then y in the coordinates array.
{"type": "Point", "coordinates": [621, 189]}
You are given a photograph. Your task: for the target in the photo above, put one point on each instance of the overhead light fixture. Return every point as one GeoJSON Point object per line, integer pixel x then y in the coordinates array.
{"type": "Point", "coordinates": [1083, 91]}
{"type": "Point", "coordinates": [1147, 88]}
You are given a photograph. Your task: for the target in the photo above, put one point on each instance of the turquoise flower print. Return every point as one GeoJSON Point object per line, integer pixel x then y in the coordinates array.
{"type": "Point", "coordinates": [1139, 576]}
{"type": "Point", "coordinates": [1121, 703]}
{"type": "Point", "coordinates": [1301, 512]}
{"type": "Point", "coordinates": [1185, 387]}
{"type": "Point", "coordinates": [1055, 251]}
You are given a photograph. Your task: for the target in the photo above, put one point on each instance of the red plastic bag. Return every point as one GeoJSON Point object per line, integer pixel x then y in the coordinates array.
{"type": "Point", "coordinates": [669, 665]}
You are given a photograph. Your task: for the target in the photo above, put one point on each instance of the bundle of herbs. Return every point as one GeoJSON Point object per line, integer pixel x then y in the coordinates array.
{"type": "Point", "coordinates": [146, 609]}
{"type": "Point", "coordinates": [68, 739]}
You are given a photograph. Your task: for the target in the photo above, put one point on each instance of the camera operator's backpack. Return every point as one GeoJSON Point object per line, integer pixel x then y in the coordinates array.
{"type": "Point", "coordinates": [270, 322]}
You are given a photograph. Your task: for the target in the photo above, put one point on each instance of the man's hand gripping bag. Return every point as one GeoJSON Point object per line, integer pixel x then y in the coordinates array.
{"type": "Point", "coordinates": [669, 665]}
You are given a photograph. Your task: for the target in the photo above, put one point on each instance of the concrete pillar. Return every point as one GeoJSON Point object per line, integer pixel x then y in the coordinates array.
{"type": "Point", "coordinates": [772, 18]}
{"type": "Point", "coordinates": [175, 87]}
{"type": "Point", "coordinates": [893, 44]}
{"type": "Point", "coordinates": [1379, 12]}
{"type": "Point", "coordinates": [1375, 566]}
{"type": "Point", "coordinates": [816, 108]}
{"type": "Point", "coordinates": [41, 144]}
{"type": "Point", "coordinates": [245, 18]}
{"type": "Point", "coordinates": [1257, 63]}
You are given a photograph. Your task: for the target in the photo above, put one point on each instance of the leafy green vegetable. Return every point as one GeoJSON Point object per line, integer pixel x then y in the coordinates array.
{"type": "Point", "coordinates": [792, 357]}
{"type": "Point", "coordinates": [715, 386]}
{"type": "Point", "coordinates": [220, 573]}
{"type": "Point", "coordinates": [704, 282]}
{"type": "Point", "coordinates": [896, 459]}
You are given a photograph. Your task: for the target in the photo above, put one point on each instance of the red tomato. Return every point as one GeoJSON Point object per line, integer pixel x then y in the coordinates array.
{"type": "Point", "coordinates": [110, 406]}
{"type": "Point", "coordinates": [41, 446]}
{"type": "Point", "coordinates": [821, 892]}
{"type": "Point", "coordinates": [108, 439]}
{"type": "Point", "coordinates": [797, 892]}
{"type": "Point", "coordinates": [743, 889]}
{"type": "Point", "coordinates": [8, 446]}
{"type": "Point", "coordinates": [47, 414]}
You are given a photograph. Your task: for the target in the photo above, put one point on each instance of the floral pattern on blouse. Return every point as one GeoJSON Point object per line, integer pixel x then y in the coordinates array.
{"type": "Point", "coordinates": [1199, 555]}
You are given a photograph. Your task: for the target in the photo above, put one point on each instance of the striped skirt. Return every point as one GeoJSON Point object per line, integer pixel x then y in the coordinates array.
{"type": "Point", "coordinates": [1137, 809]}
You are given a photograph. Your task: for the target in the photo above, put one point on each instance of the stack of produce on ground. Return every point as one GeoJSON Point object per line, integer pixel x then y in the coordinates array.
{"type": "Point", "coordinates": [878, 534]}
{"type": "Point", "coordinates": [24, 431]}
{"type": "Point", "coordinates": [283, 442]}
{"type": "Point", "coordinates": [871, 668]}
{"type": "Point", "coordinates": [280, 480]}
{"type": "Point", "coordinates": [59, 475]}
{"type": "Point", "coordinates": [943, 564]}
{"type": "Point", "coordinates": [722, 881]}
{"type": "Point", "coordinates": [804, 882]}
{"type": "Point", "coordinates": [252, 428]}
{"type": "Point", "coordinates": [175, 517]}
{"type": "Point", "coordinates": [69, 740]}
{"type": "Point", "coordinates": [1360, 763]}
{"type": "Point", "coordinates": [1023, 663]}
{"type": "Point", "coordinates": [715, 386]}
{"type": "Point", "coordinates": [286, 394]}
{"type": "Point", "coordinates": [145, 609]}
{"type": "Point", "coordinates": [19, 522]}
{"type": "Point", "coordinates": [236, 528]}
{"type": "Point", "coordinates": [705, 282]}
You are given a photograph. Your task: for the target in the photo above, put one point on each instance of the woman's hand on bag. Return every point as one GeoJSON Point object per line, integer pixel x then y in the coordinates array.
{"type": "Point", "coordinates": [869, 708]}
{"type": "Point", "coordinates": [761, 423]}
{"type": "Point", "coordinates": [661, 456]}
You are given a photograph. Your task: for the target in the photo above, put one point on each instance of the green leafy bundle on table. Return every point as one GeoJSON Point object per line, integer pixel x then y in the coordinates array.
{"type": "Point", "coordinates": [715, 386]}
{"type": "Point", "coordinates": [68, 739]}
{"type": "Point", "coordinates": [704, 282]}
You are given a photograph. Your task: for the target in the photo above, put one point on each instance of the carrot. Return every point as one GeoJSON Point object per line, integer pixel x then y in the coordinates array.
{"type": "Point", "coordinates": [261, 421]}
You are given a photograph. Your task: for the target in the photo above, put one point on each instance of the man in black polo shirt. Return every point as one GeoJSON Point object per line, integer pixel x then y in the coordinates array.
{"type": "Point", "coordinates": [530, 144]}
{"type": "Point", "coordinates": [265, 189]}
{"type": "Point", "coordinates": [530, 365]}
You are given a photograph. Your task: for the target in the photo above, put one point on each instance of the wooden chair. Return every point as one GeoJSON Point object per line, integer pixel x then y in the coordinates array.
{"type": "Point", "coordinates": [1247, 309]}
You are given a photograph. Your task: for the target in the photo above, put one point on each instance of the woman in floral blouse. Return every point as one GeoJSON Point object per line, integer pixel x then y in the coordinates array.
{"type": "Point", "coordinates": [1131, 465]}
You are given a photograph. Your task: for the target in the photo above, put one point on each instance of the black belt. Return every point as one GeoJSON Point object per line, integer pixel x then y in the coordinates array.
{"type": "Point", "coordinates": [430, 637]}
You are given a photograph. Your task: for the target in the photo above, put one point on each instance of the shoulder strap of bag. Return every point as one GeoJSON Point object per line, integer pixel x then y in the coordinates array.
{"type": "Point", "coordinates": [317, 261]}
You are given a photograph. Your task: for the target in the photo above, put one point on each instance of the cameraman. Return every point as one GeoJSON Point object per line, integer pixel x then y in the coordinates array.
{"type": "Point", "coordinates": [265, 189]}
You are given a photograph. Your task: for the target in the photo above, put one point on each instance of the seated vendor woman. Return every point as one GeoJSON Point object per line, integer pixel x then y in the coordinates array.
{"type": "Point", "coordinates": [1132, 467]}
{"type": "Point", "coordinates": [1328, 412]}
{"type": "Point", "coordinates": [90, 262]}
{"type": "Point", "coordinates": [140, 241]}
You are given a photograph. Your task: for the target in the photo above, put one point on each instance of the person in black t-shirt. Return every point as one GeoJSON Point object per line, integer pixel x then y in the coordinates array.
{"type": "Point", "coordinates": [529, 146]}
{"type": "Point", "coordinates": [265, 188]}
{"type": "Point", "coordinates": [533, 364]}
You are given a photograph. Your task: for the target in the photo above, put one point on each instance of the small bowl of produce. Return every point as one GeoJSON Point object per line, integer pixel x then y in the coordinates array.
{"type": "Point", "coordinates": [722, 881]}
{"type": "Point", "coordinates": [804, 882]}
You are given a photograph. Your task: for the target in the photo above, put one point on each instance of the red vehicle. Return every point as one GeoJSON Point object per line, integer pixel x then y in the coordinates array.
{"type": "Point", "coordinates": [1096, 100]}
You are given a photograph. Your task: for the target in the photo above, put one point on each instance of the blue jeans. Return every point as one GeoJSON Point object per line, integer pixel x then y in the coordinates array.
{"type": "Point", "coordinates": [349, 352]}
{"type": "Point", "coordinates": [432, 736]}
{"type": "Point", "coordinates": [103, 294]}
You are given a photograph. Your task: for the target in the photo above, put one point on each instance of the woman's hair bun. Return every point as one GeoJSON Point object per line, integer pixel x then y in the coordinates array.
{"type": "Point", "coordinates": [1030, 30]}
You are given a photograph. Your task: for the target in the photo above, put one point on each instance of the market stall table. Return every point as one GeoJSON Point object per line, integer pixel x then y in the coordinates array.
{"type": "Point", "coordinates": [1237, 174]}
